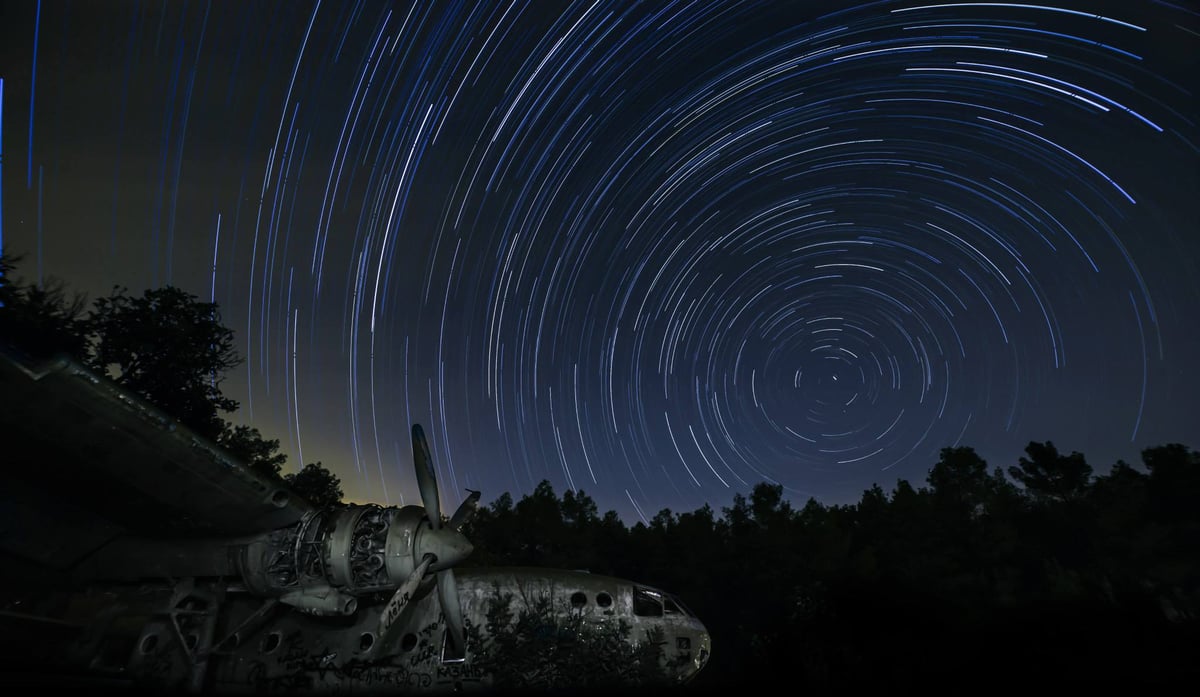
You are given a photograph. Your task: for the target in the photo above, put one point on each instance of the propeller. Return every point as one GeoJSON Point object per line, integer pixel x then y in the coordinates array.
{"type": "Point", "coordinates": [447, 588]}
{"type": "Point", "coordinates": [400, 601]}
{"type": "Point", "coordinates": [465, 511]}
{"type": "Point", "coordinates": [426, 477]}
{"type": "Point", "coordinates": [439, 547]}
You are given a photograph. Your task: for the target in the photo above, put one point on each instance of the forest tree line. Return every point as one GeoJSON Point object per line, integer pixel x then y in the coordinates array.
{"type": "Point", "coordinates": [1044, 572]}
{"type": "Point", "coordinates": [1041, 571]}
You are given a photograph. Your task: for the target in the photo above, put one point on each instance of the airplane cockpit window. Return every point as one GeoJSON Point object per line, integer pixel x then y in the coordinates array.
{"type": "Point", "coordinates": [670, 607]}
{"type": "Point", "coordinates": [647, 603]}
{"type": "Point", "coordinates": [679, 605]}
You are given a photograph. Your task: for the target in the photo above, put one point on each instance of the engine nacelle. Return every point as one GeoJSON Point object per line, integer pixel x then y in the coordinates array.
{"type": "Point", "coordinates": [342, 552]}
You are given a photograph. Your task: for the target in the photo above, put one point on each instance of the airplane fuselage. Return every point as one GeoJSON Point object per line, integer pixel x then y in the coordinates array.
{"type": "Point", "coordinates": [560, 628]}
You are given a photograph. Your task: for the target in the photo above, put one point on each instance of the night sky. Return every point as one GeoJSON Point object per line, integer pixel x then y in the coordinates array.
{"type": "Point", "coordinates": [658, 252]}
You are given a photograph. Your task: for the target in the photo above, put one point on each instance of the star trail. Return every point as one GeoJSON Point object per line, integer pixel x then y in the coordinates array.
{"type": "Point", "coordinates": [659, 252]}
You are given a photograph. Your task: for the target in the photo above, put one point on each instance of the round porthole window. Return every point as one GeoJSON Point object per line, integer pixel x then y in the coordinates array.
{"type": "Point", "coordinates": [408, 642]}
{"type": "Point", "coordinates": [604, 600]}
{"type": "Point", "coordinates": [149, 642]}
{"type": "Point", "coordinates": [270, 642]}
{"type": "Point", "coordinates": [366, 641]}
{"type": "Point", "coordinates": [578, 599]}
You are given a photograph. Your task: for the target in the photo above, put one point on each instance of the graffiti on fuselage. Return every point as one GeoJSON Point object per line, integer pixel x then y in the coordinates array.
{"type": "Point", "coordinates": [520, 632]}
{"type": "Point", "coordinates": [305, 660]}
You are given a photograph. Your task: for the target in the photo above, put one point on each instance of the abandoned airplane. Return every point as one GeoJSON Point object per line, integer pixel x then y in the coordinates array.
{"type": "Point", "coordinates": [138, 553]}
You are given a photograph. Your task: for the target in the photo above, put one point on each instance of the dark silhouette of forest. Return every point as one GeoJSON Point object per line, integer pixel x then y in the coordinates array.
{"type": "Point", "coordinates": [1046, 574]}
{"type": "Point", "coordinates": [1040, 574]}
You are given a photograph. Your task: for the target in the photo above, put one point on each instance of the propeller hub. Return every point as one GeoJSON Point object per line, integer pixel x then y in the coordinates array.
{"type": "Point", "coordinates": [448, 546]}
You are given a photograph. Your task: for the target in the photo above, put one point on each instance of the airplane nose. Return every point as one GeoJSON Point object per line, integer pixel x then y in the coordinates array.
{"type": "Point", "coordinates": [704, 652]}
{"type": "Point", "coordinates": [702, 645]}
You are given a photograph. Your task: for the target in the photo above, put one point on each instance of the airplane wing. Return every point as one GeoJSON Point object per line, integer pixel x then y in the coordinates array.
{"type": "Point", "coordinates": [85, 461]}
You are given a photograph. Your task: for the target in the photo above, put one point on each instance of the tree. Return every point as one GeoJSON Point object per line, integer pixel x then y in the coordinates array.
{"type": "Point", "coordinates": [494, 532]}
{"type": "Point", "coordinates": [542, 511]}
{"type": "Point", "coordinates": [39, 320]}
{"type": "Point", "coordinates": [1046, 475]}
{"type": "Point", "coordinates": [169, 347]}
{"type": "Point", "coordinates": [578, 509]}
{"type": "Point", "coordinates": [1174, 482]}
{"type": "Point", "coordinates": [7, 290]}
{"type": "Point", "coordinates": [767, 504]}
{"type": "Point", "coordinates": [248, 445]}
{"type": "Point", "coordinates": [1119, 503]}
{"type": "Point", "coordinates": [317, 485]}
{"type": "Point", "coordinates": [961, 476]}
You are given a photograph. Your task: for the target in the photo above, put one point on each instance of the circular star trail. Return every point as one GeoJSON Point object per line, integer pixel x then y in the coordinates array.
{"type": "Point", "coordinates": [659, 252]}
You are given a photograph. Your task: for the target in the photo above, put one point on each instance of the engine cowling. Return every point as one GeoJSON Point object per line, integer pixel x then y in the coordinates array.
{"type": "Point", "coordinates": [333, 555]}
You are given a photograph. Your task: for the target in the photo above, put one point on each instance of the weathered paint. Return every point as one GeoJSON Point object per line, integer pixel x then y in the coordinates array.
{"type": "Point", "coordinates": [292, 651]}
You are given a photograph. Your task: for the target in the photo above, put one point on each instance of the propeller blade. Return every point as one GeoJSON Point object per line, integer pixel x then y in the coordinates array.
{"type": "Point", "coordinates": [426, 478]}
{"type": "Point", "coordinates": [465, 511]}
{"type": "Point", "coordinates": [396, 608]}
{"type": "Point", "coordinates": [451, 609]}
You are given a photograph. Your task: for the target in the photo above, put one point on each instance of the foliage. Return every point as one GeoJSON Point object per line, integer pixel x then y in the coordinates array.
{"type": "Point", "coordinates": [1049, 476]}
{"type": "Point", "coordinates": [317, 485]}
{"type": "Point", "coordinates": [535, 648]}
{"type": "Point", "coordinates": [168, 346]}
{"type": "Point", "coordinates": [1058, 575]}
{"type": "Point", "coordinates": [249, 446]}
{"type": "Point", "coordinates": [39, 320]}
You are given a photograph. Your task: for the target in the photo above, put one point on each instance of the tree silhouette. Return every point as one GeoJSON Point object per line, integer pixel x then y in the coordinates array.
{"type": "Point", "coordinates": [249, 446]}
{"type": "Point", "coordinates": [1174, 482]}
{"type": "Point", "coordinates": [542, 511]}
{"type": "Point", "coordinates": [493, 530]}
{"type": "Point", "coordinates": [961, 481]}
{"type": "Point", "coordinates": [317, 485]}
{"type": "Point", "coordinates": [39, 321]}
{"type": "Point", "coordinates": [169, 347]}
{"type": "Point", "coordinates": [1047, 475]}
